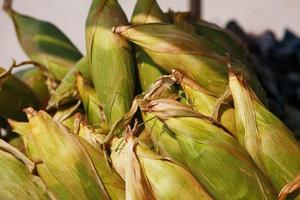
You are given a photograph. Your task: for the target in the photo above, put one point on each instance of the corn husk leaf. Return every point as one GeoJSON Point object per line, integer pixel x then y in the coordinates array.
{"type": "Point", "coordinates": [91, 104]}
{"type": "Point", "coordinates": [16, 179]}
{"type": "Point", "coordinates": [67, 90]}
{"type": "Point", "coordinates": [213, 156]}
{"type": "Point", "coordinates": [14, 96]}
{"type": "Point", "coordinates": [36, 80]}
{"type": "Point", "coordinates": [194, 56]}
{"type": "Point", "coordinates": [66, 115]}
{"type": "Point", "coordinates": [147, 11]}
{"type": "Point", "coordinates": [44, 43]}
{"type": "Point", "coordinates": [269, 142]}
{"type": "Point", "coordinates": [292, 189]}
{"type": "Point", "coordinates": [214, 33]}
{"type": "Point", "coordinates": [205, 103]}
{"type": "Point", "coordinates": [110, 57]}
{"type": "Point", "coordinates": [79, 177]}
{"type": "Point", "coordinates": [150, 176]}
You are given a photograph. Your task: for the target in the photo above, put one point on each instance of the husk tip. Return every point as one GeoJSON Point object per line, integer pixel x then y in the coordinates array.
{"type": "Point", "coordinates": [7, 6]}
{"type": "Point", "coordinates": [30, 112]}
{"type": "Point", "coordinates": [119, 29]}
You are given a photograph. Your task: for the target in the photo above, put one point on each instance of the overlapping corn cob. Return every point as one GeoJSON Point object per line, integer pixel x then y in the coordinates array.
{"type": "Point", "coordinates": [197, 133]}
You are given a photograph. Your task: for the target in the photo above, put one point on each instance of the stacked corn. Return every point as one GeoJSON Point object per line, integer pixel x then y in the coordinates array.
{"type": "Point", "coordinates": [164, 107]}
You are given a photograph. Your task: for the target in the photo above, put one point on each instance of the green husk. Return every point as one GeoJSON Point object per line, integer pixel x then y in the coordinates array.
{"type": "Point", "coordinates": [192, 55]}
{"type": "Point", "coordinates": [83, 173]}
{"type": "Point", "coordinates": [14, 96]}
{"type": "Point", "coordinates": [66, 115]}
{"type": "Point", "coordinates": [44, 43]}
{"type": "Point", "coordinates": [164, 140]}
{"type": "Point", "coordinates": [16, 180]}
{"type": "Point", "coordinates": [67, 90]}
{"type": "Point", "coordinates": [111, 60]}
{"type": "Point", "coordinates": [213, 156]}
{"type": "Point", "coordinates": [205, 103]}
{"type": "Point", "coordinates": [269, 142]}
{"type": "Point", "coordinates": [36, 80]}
{"type": "Point", "coordinates": [212, 32]}
{"type": "Point", "coordinates": [91, 104]}
{"type": "Point", "coordinates": [150, 176]}
{"type": "Point", "coordinates": [147, 11]}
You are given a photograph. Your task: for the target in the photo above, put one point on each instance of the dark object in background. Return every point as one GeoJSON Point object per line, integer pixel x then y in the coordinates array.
{"type": "Point", "coordinates": [277, 64]}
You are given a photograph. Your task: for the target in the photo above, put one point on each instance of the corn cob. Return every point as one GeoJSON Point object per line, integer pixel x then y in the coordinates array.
{"type": "Point", "coordinates": [212, 32]}
{"type": "Point", "coordinates": [205, 103]}
{"type": "Point", "coordinates": [91, 104]}
{"type": "Point", "coordinates": [14, 96]}
{"type": "Point", "coordinates": [145, 174]}
{"type": "Point", "coordinates": [44, 43]}
{"type": "Point", "coordinates": [147, 11]}
{"type": "Point", "coordinates": [192, 55]}
{"type": "Point", "coordinates": [214, 157]}
{"type": "Point", "coordinates": [15, 178]}
{"type": "Point", "coordinates": [84, 174]}
{"type": "Point", "coordinates": [110, 57]}
{"type": "Point", "coordinates": [223, 38]}
{"type": "Point", "coordinates": [36, 80]}
{"type": "Point", "coordinates": [67, 90]}
{"type": "Point", "coordinates": [269, 142]}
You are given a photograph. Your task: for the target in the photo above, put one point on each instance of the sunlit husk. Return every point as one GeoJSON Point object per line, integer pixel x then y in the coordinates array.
{"type": "Point", "coordinates": [111, 59]}
{"type": "Point", "coordinates": [205, 103]}
{"type": "Point", "coordinates": [150, 176]}
{"type": "Point", "coordinates": [44, 43]}
{"type": "Point", "coordinates": [163, 139]}
{"type": "Point", "coordinates": [83, 174]}
{"type": "Point", "coordinates": [214, 33]}
{"type": "Point", "coordinates": [194, 56]}
{"type": "Point", "coordinates": [147, 11]}
{"type": "Point", "coordinates": [213, 156]}
{"type": "Point", "coordinates": [269, 142]}
{"type": "Point", "coordinates": [16, 180]}
{"type": "Point", "coordinates": [67, 90]}
{"type": "Point", "coordinates": [14, 96]}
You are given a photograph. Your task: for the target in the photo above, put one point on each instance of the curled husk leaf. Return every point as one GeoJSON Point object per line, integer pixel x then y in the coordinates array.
{"type": "Point", "coordinates": [269, 142]}
{"type": "Point", "coordinates": [213, 156]}
{"type": "Point", "coordinates": [145, 173]}
{"type": "Point", "coordinates": [44, 43]}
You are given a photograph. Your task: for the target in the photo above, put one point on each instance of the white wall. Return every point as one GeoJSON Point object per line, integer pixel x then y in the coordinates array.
{"type": "Point", "coordinates": [69, 15]}
{"type": "Point", "coordinates": [255, 15]}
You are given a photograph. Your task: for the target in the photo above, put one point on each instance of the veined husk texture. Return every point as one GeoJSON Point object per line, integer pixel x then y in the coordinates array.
{"type": "Point", "coordinates": [70, 167]}
{"type": "Point", "coordinates": [214, 157]}
{"type": "Point", "coordinates": [194, 56]}
{"type": "Point", "coordinates": [150, 176]}
{"type": "Point", "coordinates": [16, 180]}
{"type": "Point", "coordinates": [111, 59]}
{"type": "Point", "coordinates": [269, 142]}
{"type": "Point", "coordinates": [44, 43]}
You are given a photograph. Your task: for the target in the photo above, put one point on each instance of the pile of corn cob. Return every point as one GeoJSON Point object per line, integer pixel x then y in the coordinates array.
{"type": "Point", "coordinates": [165, 107]}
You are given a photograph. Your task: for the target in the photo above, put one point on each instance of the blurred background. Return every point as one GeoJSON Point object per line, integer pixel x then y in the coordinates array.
{"type": "Point", "coordinates": [270, 29]}
{"type": "Point", "coordinates": [254, 16]}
